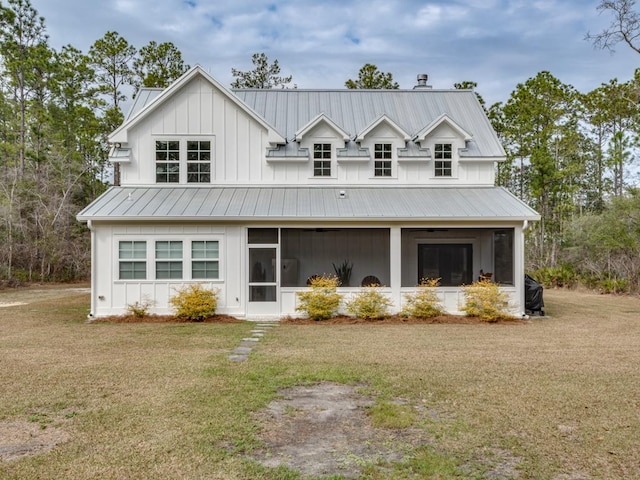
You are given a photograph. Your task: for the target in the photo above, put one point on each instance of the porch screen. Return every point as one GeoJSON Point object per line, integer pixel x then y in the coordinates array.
{"type": "Point", "coordinates": [452, 263]}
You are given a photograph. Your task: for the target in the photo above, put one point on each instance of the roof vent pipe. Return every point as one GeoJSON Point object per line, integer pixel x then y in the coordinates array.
{"type": "Point", "coordinates": [422, 81]}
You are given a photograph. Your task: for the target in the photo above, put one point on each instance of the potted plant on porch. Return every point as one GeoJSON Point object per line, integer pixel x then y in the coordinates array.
{"type": "Point", "coordinates": [343, 272]}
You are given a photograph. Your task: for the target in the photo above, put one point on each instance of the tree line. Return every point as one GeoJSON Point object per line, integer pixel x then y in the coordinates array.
{"type": "Point", "coordinates": [56, 109]}
{"type": "Point", "coordinates": [571, 155]}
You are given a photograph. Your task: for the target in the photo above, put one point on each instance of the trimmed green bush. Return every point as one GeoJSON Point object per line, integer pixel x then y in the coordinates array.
{"type": "Point", "coordinates": [194, 302]}
{"type": "Point", "coordinates": [484, 299]}
{"type": "Point", "coordinates": [322, 301]}
{"type": "Point", "coordinates": [425, 302]}
{"type": "Point", "coordinates": [369, 303]}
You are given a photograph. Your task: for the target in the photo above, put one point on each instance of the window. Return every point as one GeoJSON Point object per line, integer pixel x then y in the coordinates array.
{"type": "Point", "coordinates": [442, 153]}
{"type": "Point", "coordinates": [382, 160]}
{"type": "Point", "coordinates": [168, 259]}
{"type": "Point", "coordinates": [321, 159]}
{"type": "Point", "coordinates": [132, 263]}
{"type": "Point", "coordinates": [198, 161]}
{"type": "Point", "coordinates": [205, 259]}
{"type": "Point", "coordinates": [452, 263]}
{"type": "Point", "coordinates": [503, 256]}
{"type": "Point", "coordinates": [167, 161]}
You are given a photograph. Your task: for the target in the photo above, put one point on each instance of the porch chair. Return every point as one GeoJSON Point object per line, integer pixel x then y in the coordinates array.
{"type": "Point", "coordinates": [370, 280]}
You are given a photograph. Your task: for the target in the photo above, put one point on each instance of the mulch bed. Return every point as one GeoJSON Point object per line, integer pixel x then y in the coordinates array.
{"type": "Point", "coordinates": [397, 319]}
{"type": "Point", "coordinates": [339, 320]}
{"type": "Point", "coordinates": [164, 319]}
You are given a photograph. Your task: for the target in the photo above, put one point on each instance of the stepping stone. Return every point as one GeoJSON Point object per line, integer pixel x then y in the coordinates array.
{"type": "Point", "coordinates": [251, 339]}
{"type": "Point", "coordinates": [242, 350]}
{"type": "Point", "coordinates": [238, 358]}
{"type": "Point", "coordinates": [261, 332]}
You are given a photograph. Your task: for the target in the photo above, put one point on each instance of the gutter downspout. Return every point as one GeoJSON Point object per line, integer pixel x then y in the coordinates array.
{"type": "Point", "coordinates": [523, 300]}
{"type": "Point", "coordinates": [93, 272]}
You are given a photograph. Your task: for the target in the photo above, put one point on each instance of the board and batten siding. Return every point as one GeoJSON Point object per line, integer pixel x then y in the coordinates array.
{"type": "Point", "coordinates": [112, 295]}
{"type": "Point", "coordinates": [200, 111]}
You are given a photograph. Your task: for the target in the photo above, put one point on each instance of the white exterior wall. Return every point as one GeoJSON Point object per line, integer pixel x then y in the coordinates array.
{"type": "Point", "coordinates": [111, 296]}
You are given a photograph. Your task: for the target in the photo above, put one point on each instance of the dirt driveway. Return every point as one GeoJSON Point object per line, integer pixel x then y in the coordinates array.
{"type": "Point", "coordinates": [10, 297]}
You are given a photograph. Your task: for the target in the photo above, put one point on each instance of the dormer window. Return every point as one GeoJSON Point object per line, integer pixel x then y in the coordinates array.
{"type": "Point", "coordinates": [382, 160]}
{"type": "Point", "coordinates": [321, 159]}
{"type": "Point", "coordinates": [443, 159]}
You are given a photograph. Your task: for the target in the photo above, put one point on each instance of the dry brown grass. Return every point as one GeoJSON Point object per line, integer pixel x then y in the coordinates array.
{"type": "Point", "coordinates": [558, 395]}
{"type": "Point", "coordinates": [551, 398]}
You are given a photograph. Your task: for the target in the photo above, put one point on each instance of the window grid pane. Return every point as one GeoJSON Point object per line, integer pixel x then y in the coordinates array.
{"type": "Point", "coordinates": [169, 249]}
{"type": "Point", "coordinates": [382, 168]}
{"type": "Point", "coordinates": [204, 249]}
{"type": "Point", "coordinates": [132, 249]}
{"type": "Point", "coordinates": [205, 269]}
{"type": "Point", "coordinates": [198, 161]}
{"type": "Point", "coordinates": [168, 270]}
{"type": "Point", "coordinates": [133, 271]}
{"type": "Point", "coordinates": [167, 161]}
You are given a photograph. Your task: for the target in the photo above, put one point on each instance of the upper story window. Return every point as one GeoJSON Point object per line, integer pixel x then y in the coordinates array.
{"type": "Point", "coordinates": [167, 161]}
{"type": "Point", "coordinates": [382, 160]}
{"type": "Point", "coordinates": [443, 159]}
{"type": "Point", "coordinates": [321, 159]}
{"type": "Point", "coordinates": [198, 161]}
{"type": "Point", "coordinates": [183, 161]}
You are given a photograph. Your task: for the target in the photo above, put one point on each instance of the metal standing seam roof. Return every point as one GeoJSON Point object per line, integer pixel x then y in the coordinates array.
{"type": "Point", "coordinates": [248, 203]}
{"type": "Point", "coordinates": [288, 110]}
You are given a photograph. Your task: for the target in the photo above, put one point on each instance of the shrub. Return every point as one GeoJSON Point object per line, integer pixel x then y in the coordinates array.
{"type": "Point", "coordinates": [425, 302]}
{"type": "Point", "coordinates": [322, 301]}
{"type": "Point", "coordinates": [484, 299]}
{"type": "Point", "coordinates": [369, 303]}
{"type": "Point", "coordinates": [564, 276]}
{"type": "Point", "coordinates": [194, 302]}
{"type": "Point", "coordinates": [140, 309]}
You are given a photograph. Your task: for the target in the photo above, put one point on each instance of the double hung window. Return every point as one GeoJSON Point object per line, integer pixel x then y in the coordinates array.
{"type": "Point", "coordinates": [443, 159]}
{"type": "Point", "coordinates": [382, 160]}
{"type": "Point", "coordinates": [205, 259]}
{"type": "Point", "coordinates": [198, 161]}
{"type": "Point", "coordinates": [168, 260]}
{"type": "Point", "coordinates": [167, 161]}
{"type": "Point", "coordinates": [321, 159]}
{"type": "Point", "coordinates": [132, 260]}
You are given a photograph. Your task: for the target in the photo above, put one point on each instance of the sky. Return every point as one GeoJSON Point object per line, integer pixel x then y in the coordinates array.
{"type": "Point", "coordinates": [322, 43]}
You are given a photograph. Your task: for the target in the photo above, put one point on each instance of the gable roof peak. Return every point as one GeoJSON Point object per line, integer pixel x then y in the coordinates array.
{"type": "Point", "coordinates": [442, 119]}
{"type": "Point", "coordinates": [120, 134]}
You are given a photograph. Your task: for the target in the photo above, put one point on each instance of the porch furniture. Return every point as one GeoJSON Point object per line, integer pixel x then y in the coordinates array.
{"type": "Point", "coordinates": [370, 280]}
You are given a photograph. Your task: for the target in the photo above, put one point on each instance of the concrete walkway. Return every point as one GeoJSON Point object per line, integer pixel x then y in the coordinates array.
{"type": "Point", "coordinates": [241, 353]}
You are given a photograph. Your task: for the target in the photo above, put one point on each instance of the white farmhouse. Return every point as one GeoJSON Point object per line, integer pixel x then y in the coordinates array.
{"type": "Point", "coordinates": [253, 192]}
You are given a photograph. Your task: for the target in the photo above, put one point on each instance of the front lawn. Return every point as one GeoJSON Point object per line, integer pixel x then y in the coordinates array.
{"type": "Point", "coordinates": [551, 398]}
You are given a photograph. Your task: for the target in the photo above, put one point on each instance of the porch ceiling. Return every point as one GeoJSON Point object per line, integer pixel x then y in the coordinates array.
{"type": "Point", "coordinates": [281, 203]}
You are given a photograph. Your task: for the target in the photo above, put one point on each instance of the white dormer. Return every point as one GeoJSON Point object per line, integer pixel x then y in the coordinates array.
{"type": "Point", "coordinates": [445, 139]}
{"type": "Point", "coordinates": [383, 138]}
{"type": "Point", "coordinates": [322, 137]}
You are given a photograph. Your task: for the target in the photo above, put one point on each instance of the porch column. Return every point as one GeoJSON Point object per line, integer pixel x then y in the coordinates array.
{"type": "Point", "coordinates": [395, 265]}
